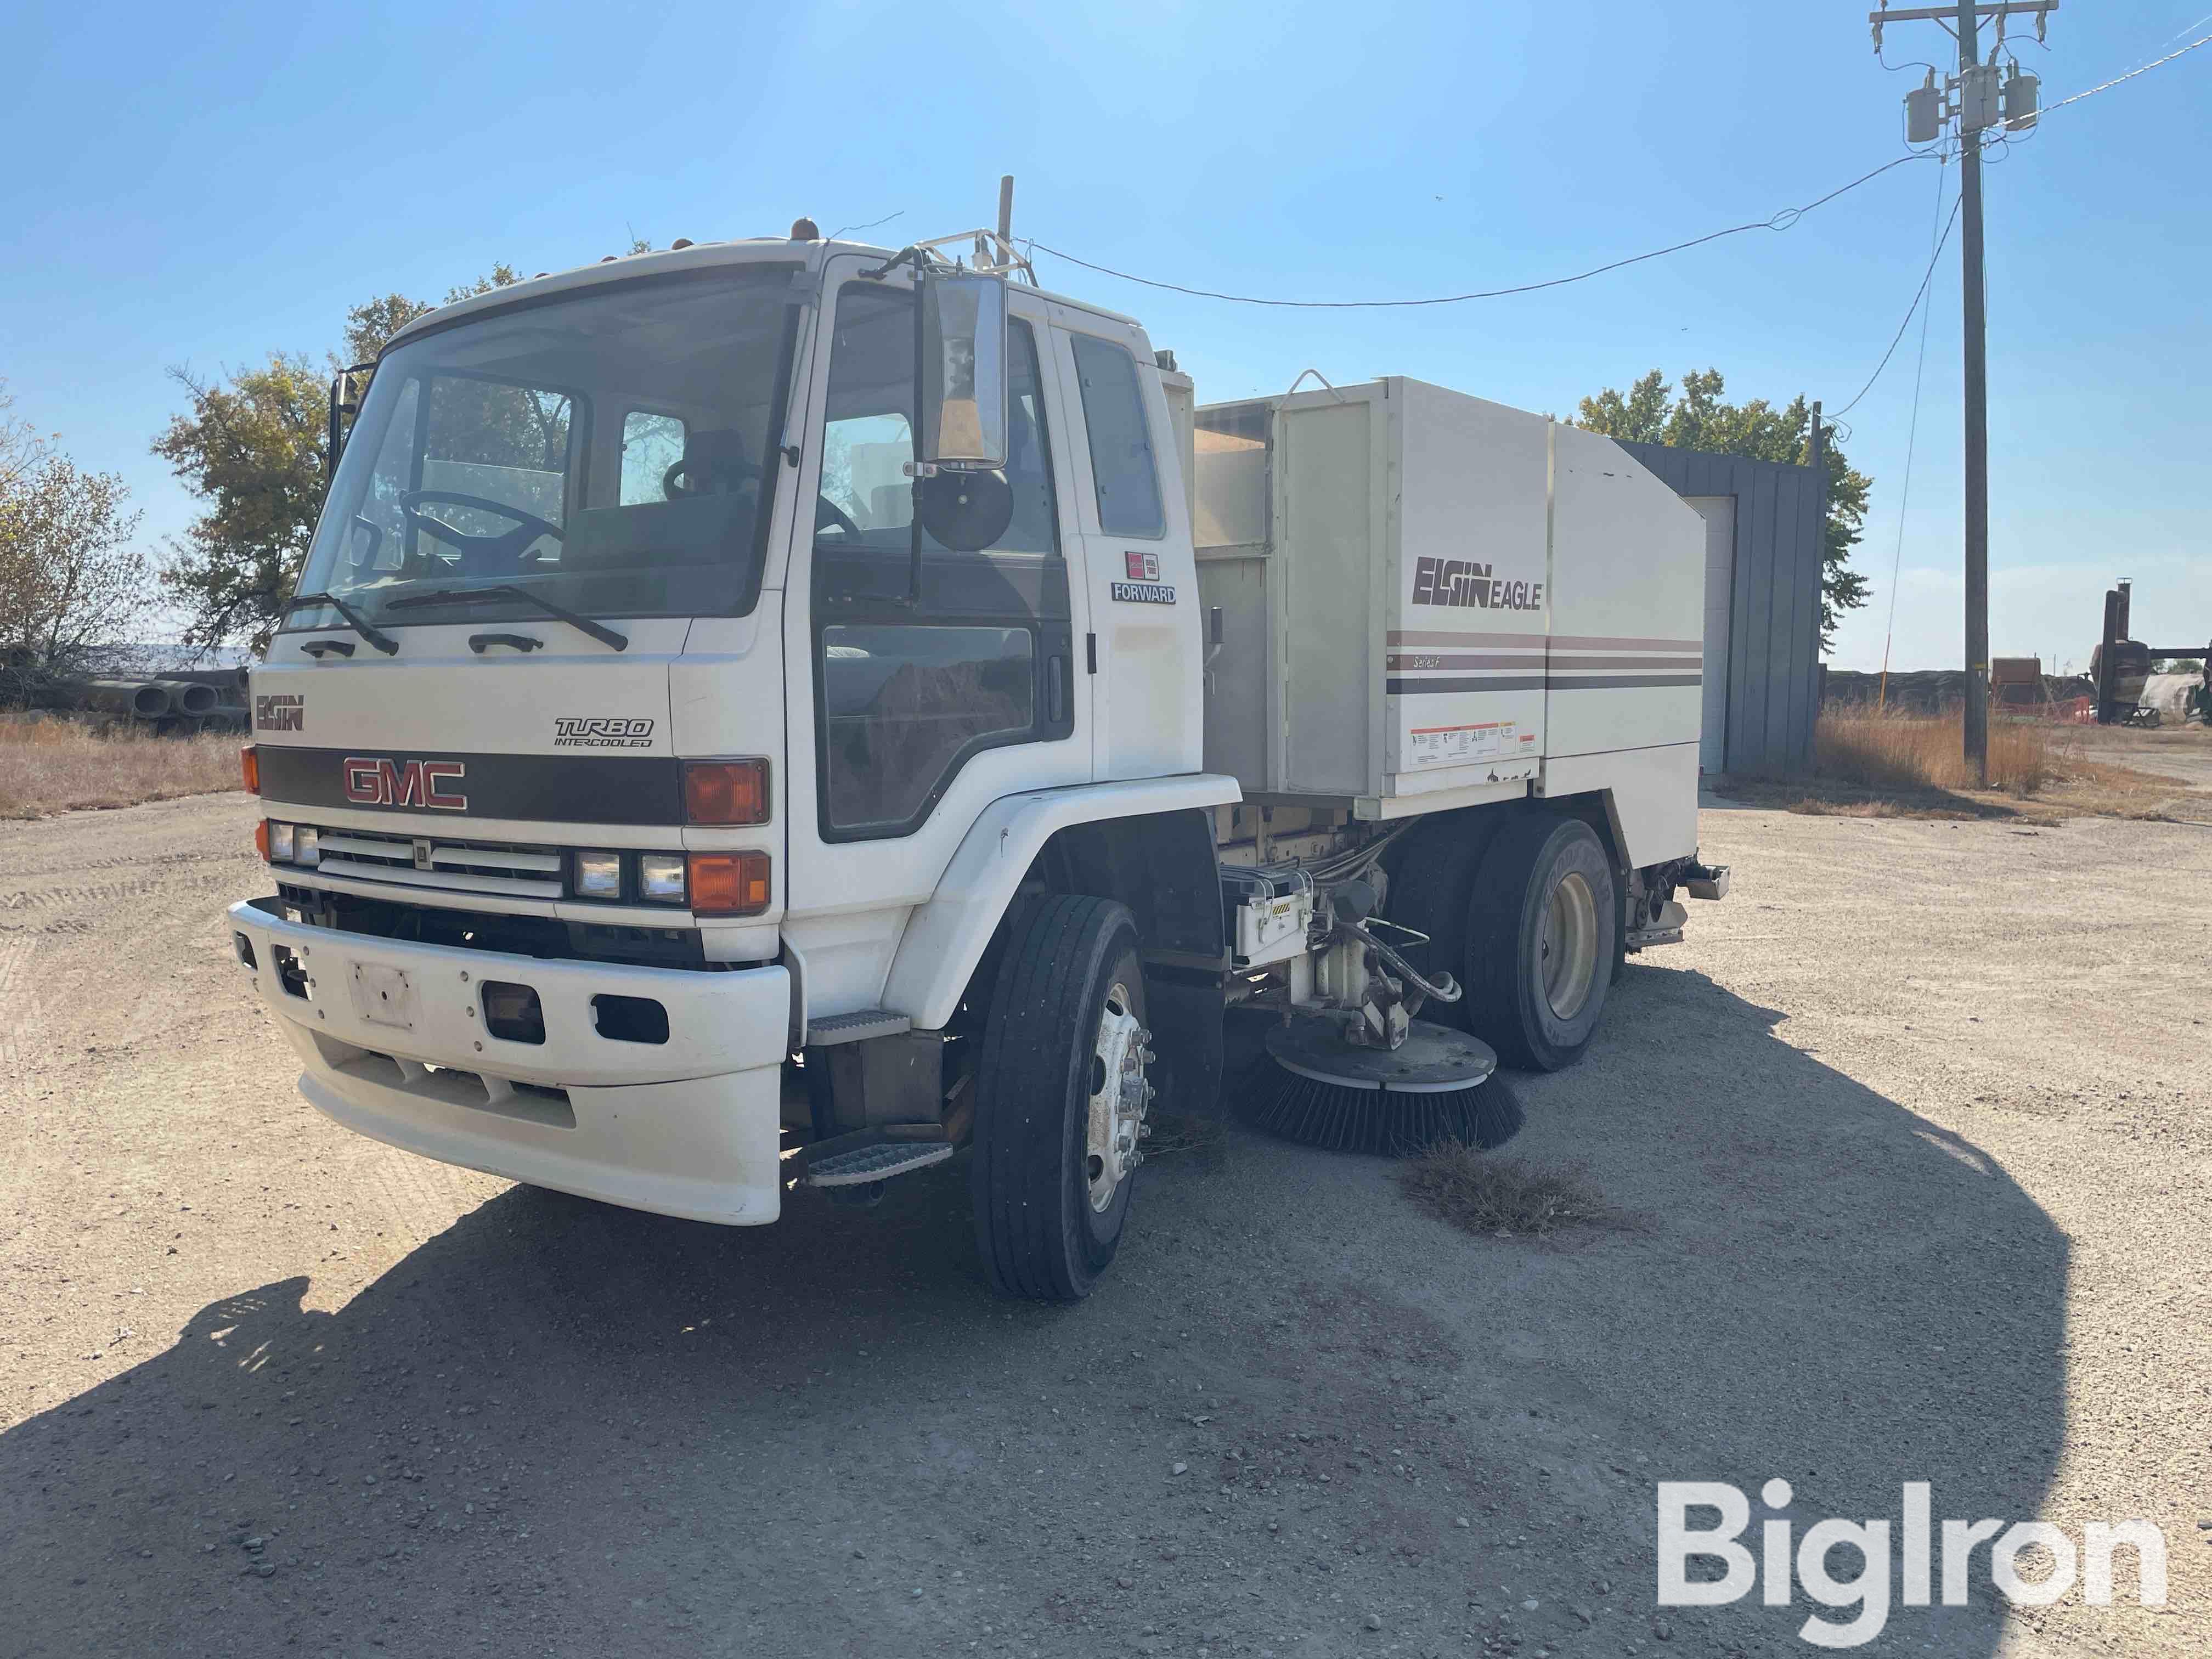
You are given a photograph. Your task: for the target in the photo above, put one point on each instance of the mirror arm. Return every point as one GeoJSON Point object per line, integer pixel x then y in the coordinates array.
{"type": "Point", "coordinates": [913, 490]}
{"type": "Point", "coordinates": [341, 391]}
{"type": "Point", "coordinates": [330, 439]}
{"type": "Point", "coordinates": [908, 255]}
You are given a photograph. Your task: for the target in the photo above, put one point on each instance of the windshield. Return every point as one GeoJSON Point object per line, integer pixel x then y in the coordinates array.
{"type": "Point", "coordinates": [609, 453]}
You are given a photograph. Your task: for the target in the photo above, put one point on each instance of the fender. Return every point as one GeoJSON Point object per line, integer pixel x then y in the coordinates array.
{"type": "Point", "coordinates": [945, 938]}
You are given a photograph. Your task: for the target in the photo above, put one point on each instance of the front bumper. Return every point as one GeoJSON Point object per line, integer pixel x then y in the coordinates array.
{"type": "Point", "coordinates": [392, 1035]}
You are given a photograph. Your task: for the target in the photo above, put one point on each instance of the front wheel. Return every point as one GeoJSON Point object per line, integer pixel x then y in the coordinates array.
{"type": "Point", "coordinates": [1061, 1099]}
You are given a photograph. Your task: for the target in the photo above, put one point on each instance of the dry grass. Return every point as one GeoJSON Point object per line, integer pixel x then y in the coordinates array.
{"type": "Point", "coordinates": [52, 766]}
{"type": "Point", "coordinates": [1887, 766]}
{"type": "Point", "coordinates": [1174, 1132]}
{"type": "Point", "coordinates": [1503, 1197]}
{"type": "Point", "coordinates": [1890, 751]}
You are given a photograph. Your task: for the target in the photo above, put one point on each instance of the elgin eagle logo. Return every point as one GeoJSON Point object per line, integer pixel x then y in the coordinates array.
{"type": "Point", "coordinates": [377, 782]}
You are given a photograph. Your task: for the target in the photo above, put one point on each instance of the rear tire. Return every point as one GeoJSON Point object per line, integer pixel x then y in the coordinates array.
{"type": "Point", "coordinates": [1064, 1031]}
{"type": "Point", "coordinates": [1429, 890]}
{"type": "Point", "coordinates": [1543, 926]}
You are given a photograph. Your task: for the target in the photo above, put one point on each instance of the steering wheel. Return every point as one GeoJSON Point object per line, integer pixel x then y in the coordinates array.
{"type": "Point", "coordinates": [527, 529]}
{"type": "Point", "coordinates": [740, 471]}
{"type": "Point", "coordinates": [828, 512]}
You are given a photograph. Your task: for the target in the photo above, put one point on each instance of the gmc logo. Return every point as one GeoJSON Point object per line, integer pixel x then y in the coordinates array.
{"type": "Point", "coordinates": [378, 782]}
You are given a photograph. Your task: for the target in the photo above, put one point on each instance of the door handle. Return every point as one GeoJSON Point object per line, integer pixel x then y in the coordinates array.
{"type": "Point", "coordinates": [1055, 690]}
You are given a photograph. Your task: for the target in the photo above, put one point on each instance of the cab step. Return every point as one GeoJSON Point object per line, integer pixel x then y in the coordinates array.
{"type": "Point", "coordinates": [855, 1160]}
{"type": "Point", "coordinates": [856, 1027]}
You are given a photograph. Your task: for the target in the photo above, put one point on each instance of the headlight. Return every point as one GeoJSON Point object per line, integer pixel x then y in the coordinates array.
{"type": "Point", "coordinates": [660, 878]}
{"type": "Point", "coordinates": [307, 845]}
{"type": "Point", "coordinates": [280, 842]}
{"type": "Point", "coordinates": [599, 875]}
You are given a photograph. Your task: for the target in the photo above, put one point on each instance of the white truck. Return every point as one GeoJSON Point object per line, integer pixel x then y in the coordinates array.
{"type": "Point", "coordinates": [785, 711]}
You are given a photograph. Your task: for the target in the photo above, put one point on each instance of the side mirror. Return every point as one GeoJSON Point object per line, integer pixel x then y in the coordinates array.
{"type": "Point", "coordinates": [345, 399]}
{"type": "Point", "coordinates": [962, 354]}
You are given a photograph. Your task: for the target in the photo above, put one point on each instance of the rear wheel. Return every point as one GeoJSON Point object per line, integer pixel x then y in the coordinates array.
{"type": "Point", "coordinates": [1542, 929]}
{"type": "Point", "coordinates": [1429, 890]}
{"type": "Point", "coordinates": [1061, 1093]}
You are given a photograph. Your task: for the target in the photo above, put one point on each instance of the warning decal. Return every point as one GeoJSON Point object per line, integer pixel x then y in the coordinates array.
{"type": "Point", "coordinates": [1450, 745]}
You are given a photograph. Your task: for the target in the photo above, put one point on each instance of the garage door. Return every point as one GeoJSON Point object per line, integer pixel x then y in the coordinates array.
{"type": "Point", "coordinates": [1719, 514]}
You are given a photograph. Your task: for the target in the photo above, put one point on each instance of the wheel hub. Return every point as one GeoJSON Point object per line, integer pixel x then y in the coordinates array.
{"type": "Point", "coordinates": [1567, 953]}
{"type": "Point", "coordinates": [1120, 1095]}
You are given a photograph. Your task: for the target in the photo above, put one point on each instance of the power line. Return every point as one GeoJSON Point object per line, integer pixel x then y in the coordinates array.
{"type": "Point", "coordinates": [1782, 221]}
{"type": "Point", "coordinates": [2106, 86]}
{"type": "Point", "coordinates": [1911, 441]}
{"type": "Point", "coordinates": [1919, 295]}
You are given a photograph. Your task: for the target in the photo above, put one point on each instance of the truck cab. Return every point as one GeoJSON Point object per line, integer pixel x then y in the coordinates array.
{"type": "Point", "coordinates": [679, 696]}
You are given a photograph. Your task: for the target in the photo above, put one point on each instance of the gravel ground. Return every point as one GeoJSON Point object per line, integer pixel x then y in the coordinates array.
{"type": "Point", "coordinates": [1916, 1125]}
{"type": "Point", "coordinates": [2182, 753]}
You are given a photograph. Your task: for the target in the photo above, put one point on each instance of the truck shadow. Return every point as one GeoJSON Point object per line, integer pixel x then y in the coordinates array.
{"type": "Point", "coordinates": [559, 1426]}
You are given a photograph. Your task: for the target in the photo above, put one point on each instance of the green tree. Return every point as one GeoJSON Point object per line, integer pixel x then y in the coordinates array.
{"type": "Point", "coordinates": [70, 580]}
{"type": "Point", "coordinates": [251, 448]}
{"type": "Point", "coordinates": [1698, 418]}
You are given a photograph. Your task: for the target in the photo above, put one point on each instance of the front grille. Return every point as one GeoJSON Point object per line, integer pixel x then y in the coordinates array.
{"type": "Point", "coordinates": [453, 866]}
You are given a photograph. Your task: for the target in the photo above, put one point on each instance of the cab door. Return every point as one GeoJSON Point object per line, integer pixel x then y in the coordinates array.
{"type": "Point", "coordinates": [1133, 533]}
{"type": "Point", "coordinates": [923, 681]}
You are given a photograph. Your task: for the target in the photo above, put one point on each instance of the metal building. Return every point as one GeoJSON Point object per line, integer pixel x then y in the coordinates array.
{"type": "Point", "coordinates": [1762, 661]}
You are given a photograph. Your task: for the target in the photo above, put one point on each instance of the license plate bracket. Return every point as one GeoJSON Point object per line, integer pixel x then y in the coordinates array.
{"type": "Point", "coordinates": [382, 996]}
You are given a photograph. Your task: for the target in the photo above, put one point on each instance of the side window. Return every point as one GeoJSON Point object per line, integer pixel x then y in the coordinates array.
{"type": "Point", "coordinates": [867, 440]}
{"type": "Point", "coordinates": [912, 683]}
{"type": "Point", "coordinates": [651, 446]}
{"type": "Point", "coordinates": [1122, 462]}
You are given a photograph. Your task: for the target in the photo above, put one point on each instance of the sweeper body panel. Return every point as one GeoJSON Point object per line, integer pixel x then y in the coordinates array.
{"type": "Point", "coordinates": [760, 713]}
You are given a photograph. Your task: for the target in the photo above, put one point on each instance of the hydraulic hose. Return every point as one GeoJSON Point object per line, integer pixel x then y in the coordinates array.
{"type": "Point", "coordinates": [1448, 991]}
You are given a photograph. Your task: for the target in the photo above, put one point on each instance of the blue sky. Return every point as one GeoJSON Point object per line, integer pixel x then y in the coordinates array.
{"type": "Point", "coordinates": [198, 185]}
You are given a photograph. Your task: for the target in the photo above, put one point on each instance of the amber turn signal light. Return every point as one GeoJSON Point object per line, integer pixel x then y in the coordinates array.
{"type": "Point", "coordinates": [249, 763]}
{"type": "Point", "coordinates": [729, 884]}
{"type": "Point", "coordinates": [261, 837]}
{"type": "Point", "coordinates": [725, 792]}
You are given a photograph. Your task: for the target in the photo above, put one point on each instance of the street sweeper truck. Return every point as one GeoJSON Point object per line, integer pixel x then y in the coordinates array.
{"type": "Point", "coordinates": [787, 712]}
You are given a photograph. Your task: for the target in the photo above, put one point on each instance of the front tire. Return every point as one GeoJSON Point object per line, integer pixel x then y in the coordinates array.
{"type": "Point", "coordinates": [1061, 1097]}
{"type": "Point", "coordinates": [1543, 925]}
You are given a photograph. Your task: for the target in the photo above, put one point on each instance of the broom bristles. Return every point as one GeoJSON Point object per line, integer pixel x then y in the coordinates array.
{"type": "Point", "coordinates": [1340, 1119]}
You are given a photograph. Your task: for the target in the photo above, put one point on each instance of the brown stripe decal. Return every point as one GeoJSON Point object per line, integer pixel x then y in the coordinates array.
{"type": "Point", "coordinates": [1539, 642]}
{"type": "Point", "coordinates": [1590, 642]}
{"type": "Point", "coordinates": [1414, 662]}
{"type": "Point", "coordinates": [1413, 687]}
{"type": "Point", "coordinates": [1431, 688]}
{"type": "Point", "coordinates": [1678, 663]}
{"type": "Point", "coordinates": [1530, 641]}
{"type": "Point", "coordinates": [1621, 682]}
{"type": "Point", "coordinates": [1456, 660]}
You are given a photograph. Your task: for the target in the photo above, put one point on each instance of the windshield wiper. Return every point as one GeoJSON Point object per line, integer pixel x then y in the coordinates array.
{"type": "Point", "coordinates": [359, 625]}
{"type": "Point", "coordinates": [599, 631]}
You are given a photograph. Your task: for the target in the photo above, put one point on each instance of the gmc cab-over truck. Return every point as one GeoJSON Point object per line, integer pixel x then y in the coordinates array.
{"type": "Point", "coordinates": [786, 711]}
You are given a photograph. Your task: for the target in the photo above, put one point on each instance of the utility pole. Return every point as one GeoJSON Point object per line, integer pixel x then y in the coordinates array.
{"type": "Point", "coordinates": [1975, 108]}
{"type": "Point", "coordinates": [1976, 330]}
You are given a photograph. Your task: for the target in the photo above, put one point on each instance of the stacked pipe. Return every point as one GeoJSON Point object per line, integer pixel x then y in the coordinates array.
{"type": "Point", "coordinates": [177, 705]}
